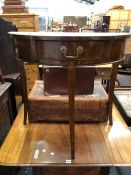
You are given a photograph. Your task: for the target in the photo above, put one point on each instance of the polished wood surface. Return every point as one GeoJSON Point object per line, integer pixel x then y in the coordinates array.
{"type": "Point", "coordinates": [96, 144]}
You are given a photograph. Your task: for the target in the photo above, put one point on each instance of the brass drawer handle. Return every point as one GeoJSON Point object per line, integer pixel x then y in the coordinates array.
{"type": "Point", "coordinates": [79, 50]}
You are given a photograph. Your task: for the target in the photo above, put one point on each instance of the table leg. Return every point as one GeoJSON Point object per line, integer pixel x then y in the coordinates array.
{"type": "Point", "coordinates": [24, 87]}
{"type": "Point", "coordinates": [111, 89]}
{"type": "Point", "coordinates": [105, 171]}
{"type": "Point", "coordinates": [71, 92]}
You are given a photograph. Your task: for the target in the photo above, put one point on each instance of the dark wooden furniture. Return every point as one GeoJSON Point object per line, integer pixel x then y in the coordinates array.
{"type": "Point", "coordinates": [15, 91]}
{"type": "Point", "coordinates": [8, 62]}
{"type": "Point", "coordinates": [6, 117]}
{"type": "Point", "coordinates": [123, 91]}
{"type": "Point", "coordinates": [70, 50]}
{"type": "Point", "coordinates": [46, 147]}
{"type": "Point", "coordinates": [124, 72]}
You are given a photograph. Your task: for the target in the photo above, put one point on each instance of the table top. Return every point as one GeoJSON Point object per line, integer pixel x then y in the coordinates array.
{"type": "Point", "coordinates": [48, 144]}
{"type": "Point", "coordinates": [74, 34]}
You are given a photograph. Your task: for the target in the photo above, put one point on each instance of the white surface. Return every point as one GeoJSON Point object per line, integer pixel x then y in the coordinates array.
{"type": "Point", "coordinates": [70, 34]}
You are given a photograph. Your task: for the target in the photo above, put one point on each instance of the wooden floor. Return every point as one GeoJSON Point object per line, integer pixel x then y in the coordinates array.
{"type": "Point", "coordinates": [48, 144]}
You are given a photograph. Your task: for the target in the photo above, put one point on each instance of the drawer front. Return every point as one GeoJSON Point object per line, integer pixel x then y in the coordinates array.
{"type": "Point", "coordinates": [114, 24]}
{"type": "Point", "coordinates": [58, 51]}
{"type": "Point", "coordinates": [115, 15]}
{"type": "Point", "coordinates": [21, 29]}
{"type": "Point", "coordinates": [5, 123]}
{"type": "Point", "coordinates": [32, 73]}
{"type": "Point", "coordinates": [21, 22]}
{"type": "Point", "coordinates": [124, 15]}
{"type": "Point", "coordinates": [3, 99]}
{"type": "Point", "coordinates": [93, 52]}
{"type": "Point", "coordinates": [130, 15]}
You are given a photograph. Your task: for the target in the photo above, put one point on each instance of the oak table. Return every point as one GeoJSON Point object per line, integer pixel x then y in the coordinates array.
{"type": "Point", "coordinates": [46, 147]}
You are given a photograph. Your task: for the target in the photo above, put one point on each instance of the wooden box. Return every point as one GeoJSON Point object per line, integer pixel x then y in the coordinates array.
{"type": "Point", "coordinates": [55, 108]}
{"type": "Point", "coordinates": [56, 80]}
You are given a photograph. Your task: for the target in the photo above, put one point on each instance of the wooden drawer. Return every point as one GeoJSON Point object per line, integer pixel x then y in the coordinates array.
{"type": "Point", "coordinates": [21, 22]}
{"type": "Point", "coordinates": [128, 45]}
{"type": "Point", "coordinates": [129, 15]}
{"type": "Point", "coordinates": [5, 123]}
{"type": "Point", "coordinates": [32, 74]}
{"type": "Point", "coordinates": [114, 24]}
{"type": "Point", "coordinates": [3, 99]}
{"type": "Point", "coordinates": [21, 29]}
{"type": "Point", "coordinates": [124, 15]}
{"type": "Point", "coordinates": [115, 15]}
{"type": "Point", "coordinates": [129, 23]}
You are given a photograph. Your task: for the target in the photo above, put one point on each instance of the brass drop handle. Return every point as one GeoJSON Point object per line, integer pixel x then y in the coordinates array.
{"type": "Point", "coordinates": [79, 50]}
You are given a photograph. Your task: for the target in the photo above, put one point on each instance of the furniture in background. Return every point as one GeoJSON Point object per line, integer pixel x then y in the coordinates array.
{"type": "Point", "coordinates": [124, 72]}
{"type": "Point", "coordinates": [101, 23]}
{"type": "Point", "coordinates": [122, 93]}
{"type": "Point", "coordinates": [119, 17]}
{"type": "Point", "coordinates": [79, 21]}
{"type": "Point", "coordinates": [6, 115]}
{"type": "Point", "coordinates": [122, 99]}
{"type": "Point", "coordinates": [128, 46]}
{"type": "Point", "coordinates": [32, 74]}
{"type": "Point", "coordinates": [8, 64]}
{"type": "Point", "coordinates": [24, 22]}
{"type": "Point", "coordinates": [6, 119]}
{"type": "Point", "coordinates": [14, 6]}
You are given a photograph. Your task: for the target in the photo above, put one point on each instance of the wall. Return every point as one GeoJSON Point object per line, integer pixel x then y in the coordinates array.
{"type": "Point", "coordinates": [72, 8]}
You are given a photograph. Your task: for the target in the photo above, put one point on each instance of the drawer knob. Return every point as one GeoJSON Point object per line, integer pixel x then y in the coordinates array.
{"type": "Point", "coordinates": [79, 50]}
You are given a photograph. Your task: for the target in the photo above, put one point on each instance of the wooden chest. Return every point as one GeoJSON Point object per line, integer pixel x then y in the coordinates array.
{"type": "Point", "coordinates": [24, 22]}
{"type": "Point", "coordinates": [55, 108]}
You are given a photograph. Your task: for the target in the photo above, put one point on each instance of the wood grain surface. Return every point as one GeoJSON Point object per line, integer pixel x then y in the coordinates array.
{"type": "Point", "coordinates": [47, 144]}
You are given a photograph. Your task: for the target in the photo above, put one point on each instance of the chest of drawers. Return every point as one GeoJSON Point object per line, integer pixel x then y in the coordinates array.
{"type": "Point", "coordinates": [24, 21]}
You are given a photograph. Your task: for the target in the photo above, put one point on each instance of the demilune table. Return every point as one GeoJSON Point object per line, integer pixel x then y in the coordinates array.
{"type": "Point", "coordinates": [96, 144]}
